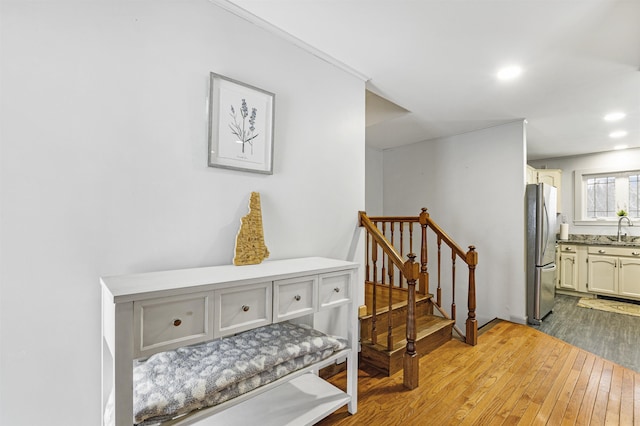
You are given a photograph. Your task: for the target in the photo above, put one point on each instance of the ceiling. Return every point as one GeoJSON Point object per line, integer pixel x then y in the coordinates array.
{"type": "Point", "coordinates": [436, 62]}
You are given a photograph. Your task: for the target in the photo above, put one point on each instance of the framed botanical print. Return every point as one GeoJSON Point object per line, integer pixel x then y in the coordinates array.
{"type": "Point", "coordinates": [241, 119]}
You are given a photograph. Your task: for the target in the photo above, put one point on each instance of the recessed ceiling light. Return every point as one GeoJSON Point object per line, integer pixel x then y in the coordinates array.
{"type": "Point", "coordinates": [618, 134]}
{"type": "Point", "coordinates": [615, 116]}
{"type": "Point", "coordinates": [509, 73]}
{"type": "Point", "coordinates": [621, 147]}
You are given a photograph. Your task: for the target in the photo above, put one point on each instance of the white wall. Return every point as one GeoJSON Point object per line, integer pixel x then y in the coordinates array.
{"type": "Point", "coordinates": [374, 181]}
{"type": "Point", "coordinates": [473, 186]}
{"type": "Point", "coordinates": [625, 159]}
{"type": "Point", "coordinates": [104, 171]}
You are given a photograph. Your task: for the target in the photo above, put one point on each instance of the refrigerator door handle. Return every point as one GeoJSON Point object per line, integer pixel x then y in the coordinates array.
{"type": "Point", "coordinates": [549, 268]}
{"type": "Point", "coordinates": [545, 225]}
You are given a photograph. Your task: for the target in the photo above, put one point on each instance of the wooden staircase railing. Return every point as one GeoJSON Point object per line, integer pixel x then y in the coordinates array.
{"type": "Point", "coordinates": [413, 277]}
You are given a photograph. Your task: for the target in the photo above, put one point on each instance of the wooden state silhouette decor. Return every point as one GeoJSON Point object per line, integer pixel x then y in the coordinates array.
{"type": "Point", "coordinates": [250, 247]}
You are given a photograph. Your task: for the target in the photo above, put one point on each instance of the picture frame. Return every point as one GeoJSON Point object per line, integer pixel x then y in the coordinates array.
{"type": "Point", "coordinates": [241, 121]}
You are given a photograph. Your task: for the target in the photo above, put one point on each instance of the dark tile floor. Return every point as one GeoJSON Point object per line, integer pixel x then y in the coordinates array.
{"type": "Point", "coordinates": [615, 337]}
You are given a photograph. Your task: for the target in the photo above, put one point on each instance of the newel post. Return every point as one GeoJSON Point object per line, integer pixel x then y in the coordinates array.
{"type": "Point", "coordinates": [472, 322]}
{"type": "Point", "coordinates": [424, 258]}
{"type": "Point", "coordinates": [411, 359]}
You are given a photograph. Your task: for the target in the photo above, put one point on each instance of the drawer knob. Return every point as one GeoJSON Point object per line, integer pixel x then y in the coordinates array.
{"type": "Point", "coordinates": [568, 248]}
{"type": "Point", "coordinates": [297, 297]}
{"type": "Point", "coordinates": [635, 253]}
{"type": "Point", "coordinates": [601, 251]}
{"type": "Point", "coordinates": [337, 289]}
{"type": "Point", "coordinates": [177, 322]}
{"type": "Point", "coordinates": [245, 308]}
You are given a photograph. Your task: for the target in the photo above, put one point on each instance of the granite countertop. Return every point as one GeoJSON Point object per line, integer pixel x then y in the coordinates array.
{"type": "Point", "coordinates": [600, 240]}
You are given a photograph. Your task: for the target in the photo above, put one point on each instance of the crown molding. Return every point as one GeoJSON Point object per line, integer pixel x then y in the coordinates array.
{"type": "Point", "coordinates": [256, 20]}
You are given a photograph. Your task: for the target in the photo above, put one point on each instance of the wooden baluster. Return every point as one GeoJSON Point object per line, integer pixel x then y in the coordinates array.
{"type": "Point", "coordinates": [384, 269]}
{"type": "Point", "coordinates": [472, 322]}
{"type": "Point", "coordinates": [392, 230]}
{"type": "Point", "coordinates": [410, 237]}
{"type": "Point", "coordinates": [410, 240]}
{"type": "Point", "coordinates": [375, 280]}
{"type": "Point", "coordinates": [453, 284]}
{"type": "Point", "coordinates": [439, 290]}
{"type": "Point", "coordinates": [366, 256]}
{"type": "Point", "coordinates": [411, 359]}
{"type": "Point", "coordinates": [374, 308]}
{"type": "Point", "coordinates": [391, 271]}
{"type": "Point", "coordinates": [390, 311]}
{"type": "Point", "coordinates": [424, 274]}
{"type": "Point", "coordinates": [401, 251]}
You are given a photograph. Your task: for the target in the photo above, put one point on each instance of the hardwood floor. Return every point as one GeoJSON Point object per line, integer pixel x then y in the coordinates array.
{"type": "Point", "coordinates": [516, 375]}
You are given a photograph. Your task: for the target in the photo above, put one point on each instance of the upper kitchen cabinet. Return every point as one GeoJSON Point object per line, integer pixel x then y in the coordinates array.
{"type": "Point", "coordinates": [550, 176]}
{"type": "Point", "coordinates": [532, 175]}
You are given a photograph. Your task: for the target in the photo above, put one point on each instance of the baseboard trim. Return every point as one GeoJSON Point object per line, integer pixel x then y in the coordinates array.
{"type": "Point", "coordinates": [518, 320]}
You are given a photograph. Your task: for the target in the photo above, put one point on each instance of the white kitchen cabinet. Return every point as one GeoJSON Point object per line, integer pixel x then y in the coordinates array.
{"type": "Point", "coordinates": [583, 272]}
{"type": "Point", "coordinates": [572, 267]}
{"type": "Point", "coordinates": [629, 277]}
{"type": "Point", "coordinates": [607, 270]}
{"type": "Point", "coordinates": [552, 177]}
{"type": "Point", "coordinates": [532, 175]}
{"type": "Point", "coordinates": [615, 271]}
{"type": "Point", "coordinates": [568, 271]}
{"type": "Point", "coordinates": [603, 274]}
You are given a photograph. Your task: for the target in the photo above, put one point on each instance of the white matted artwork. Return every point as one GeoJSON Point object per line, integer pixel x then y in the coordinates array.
{"type": "Point", "coordinates": [241, 121]}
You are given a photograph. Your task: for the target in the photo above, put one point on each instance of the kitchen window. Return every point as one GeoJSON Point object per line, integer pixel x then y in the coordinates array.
{"type": "Point", "coordinates": [634, 195]}
{"type": "Point", "coordinates": [600, 195]}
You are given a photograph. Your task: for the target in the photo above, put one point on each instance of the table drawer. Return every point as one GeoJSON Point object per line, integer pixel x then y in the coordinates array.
{"type": "Point", "coordinates": [242, 308]}
{"type": "Point", "coordinates": [334, 289]}
{"type": "Point", "coordinates": [170, 322]}
{"type": "Point", "coordinates": [294, 297]}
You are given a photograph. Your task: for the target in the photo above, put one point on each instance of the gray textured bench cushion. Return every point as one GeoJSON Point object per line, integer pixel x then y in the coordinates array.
{"type": "Point", "coordinates": [172, 383]}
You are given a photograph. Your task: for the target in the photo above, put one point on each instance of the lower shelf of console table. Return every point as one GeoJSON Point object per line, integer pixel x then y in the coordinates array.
{"type": "Point", "coordinates": [302, 401]}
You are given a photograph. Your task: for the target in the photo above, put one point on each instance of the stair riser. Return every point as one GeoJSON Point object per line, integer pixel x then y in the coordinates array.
{"type": "Point", "coordinates": [398, 317]}
{"type": "Point", "coordinates": [391, 364]}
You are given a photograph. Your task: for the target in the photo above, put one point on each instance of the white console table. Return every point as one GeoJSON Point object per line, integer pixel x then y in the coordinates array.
{"type": "Point", "coordinates": [143, 314]}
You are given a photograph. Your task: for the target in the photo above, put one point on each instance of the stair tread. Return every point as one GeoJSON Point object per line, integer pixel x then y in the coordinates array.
{"type": "Point", "coordinates": [399, 297]}
{"type": "Point", "coordinates": [420, 298]}
{"type": "Point", "coordinates": [425, 326]}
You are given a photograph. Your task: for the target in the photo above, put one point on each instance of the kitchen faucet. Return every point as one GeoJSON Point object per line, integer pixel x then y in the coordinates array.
{"type": "Point", "coordinates": [620, 225]}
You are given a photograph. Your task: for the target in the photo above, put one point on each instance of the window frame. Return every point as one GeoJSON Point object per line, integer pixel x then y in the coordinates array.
{"type": "Point", "coordinates": [580, 194]}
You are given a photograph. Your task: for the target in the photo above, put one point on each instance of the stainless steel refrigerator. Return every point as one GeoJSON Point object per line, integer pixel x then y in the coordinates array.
{"type": "Point", "coordinates": [541, 250]}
